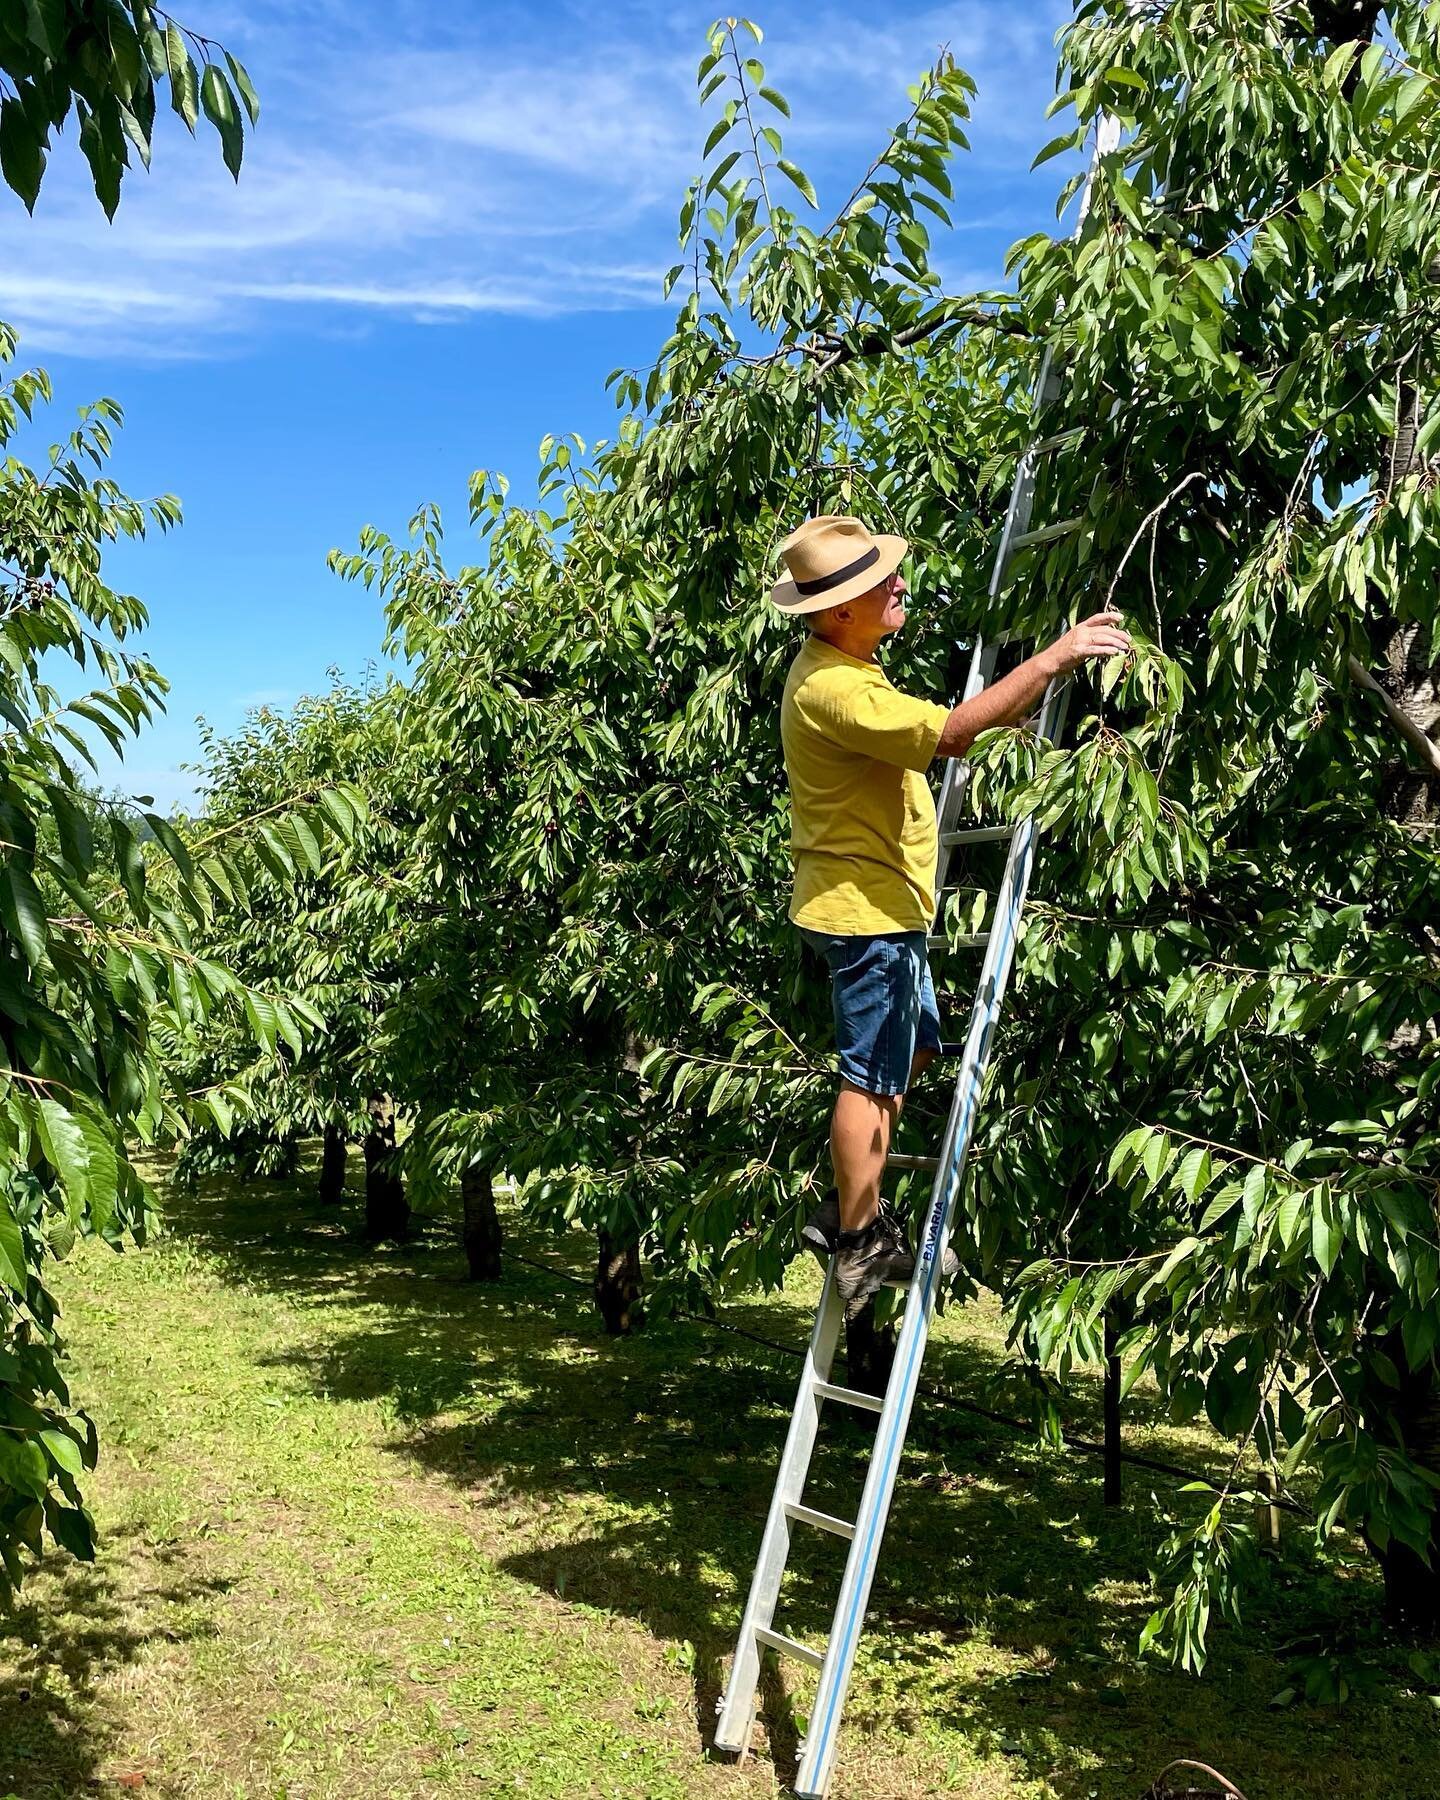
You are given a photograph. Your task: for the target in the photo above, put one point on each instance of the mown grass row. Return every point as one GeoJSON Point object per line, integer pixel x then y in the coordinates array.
{"type": "Point", "coordinates": [371, 1531]}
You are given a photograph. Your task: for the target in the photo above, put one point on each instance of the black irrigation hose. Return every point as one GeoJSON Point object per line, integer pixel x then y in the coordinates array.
{"type": "Point", "coordinates": [932, 1391]}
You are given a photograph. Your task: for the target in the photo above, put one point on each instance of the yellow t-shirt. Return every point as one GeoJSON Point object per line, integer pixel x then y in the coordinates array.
{"type": "Point", "coordinates": [863, 836]}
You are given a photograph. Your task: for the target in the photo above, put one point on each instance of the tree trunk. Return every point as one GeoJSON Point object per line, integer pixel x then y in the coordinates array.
{"type": "Point", "coordinates": [387, 1211]}
{"type": "Point", "coordinates": [1409, 676]}
{"type": "Point", "coordinates": [618, 1285]}
{"type": "Point", "coordinates": [1410, 795]}
{"type": "Point", "coordinates": [1412, 1588]}
{"type": "Point", "coordinates": [1345, 21]}
{"type": "Point", "coordinates": [481, 1224]}
{"type": "Point", "coordinates": [1114, 1476]}
{"type": "Point", "coordinates": [1412, 681]}
{"type": "Point", "coordinates": [1412, 1591]}
{"type": "Point", "coordinates": [332, 1167]}
{"type": "Point", "coordinates": [869, 1352]}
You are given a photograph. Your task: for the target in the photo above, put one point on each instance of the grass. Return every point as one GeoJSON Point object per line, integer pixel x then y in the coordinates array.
{"type": "Point", "coordinates": [371, 1531]}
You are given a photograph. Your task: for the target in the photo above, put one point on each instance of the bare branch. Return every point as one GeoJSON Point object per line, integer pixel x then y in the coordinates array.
{"type": "Point", "coordinates": [879, 344]}
{"type": "Point", "coordinates": [1425, 749]}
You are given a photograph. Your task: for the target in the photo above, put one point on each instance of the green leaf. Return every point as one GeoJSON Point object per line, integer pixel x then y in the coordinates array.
{"type": "Point", "coordinates": [1148, 794]}
{"type": "Point", "coordinates": [72, 1528]}
{"type": "Point", "coordinates": [1068, 140]}
{"type": "Point", "coordinates": [221, 1111]}
{"type": "Point", "coordinates": [12, 1248]}
{"type": "Point", "coordinates": [22, 153]}
{"type": "Point", "coordinates": [1418, 1333]}
{"type": "Point", "coordinates": [1325, 1234]}
{"type": "Point", "coordinates": [171, 842]}
{"type": "Point", "coordinates": [72, 823]}
{"type": "Point", "coordinates": [23, 912]}
{"type": "Point", "coordinates": [261, 1014]}
{"type": "Point", "coordinates": [1372, 61]}
{"type": "Point", "coordinates": [243, 87]}
{"type": "Point", "coordinates": [717, 132]}
{"type": "Point", "coordinates": [1219, 1206]}
{"type": "Point", "coordinates": [1193, 1175]}
{"type": "Point", "coordinates": [1182, 1252]}
{"type": "Point", "coordinates": [299, 828]}
{"type": "Point", "coordinates": [718, 174]}
{"type": "Point", "coordinates": [64, 1450]}
{"type": "Point", "coordinates": [1287, 1217]}
{"type": "Point", "coordinates": [286, 1028]}
{"type": "Point", "coordinates": [82, 1154]}
{"type": "Point", "coordinates": [1337, 64]}
{"type": "Point", "coordinates": [799, 177]}
{"type": "Point", "coordinates": [184, 80]}
{"type": "Point", "coordinates": [45, 25]}
{"type": "Point", "coordinates": [339, 810]}
{"type": "Point", "coordinates": [102, 1170]}
{"type": "Point", "coordinates": [1156, 1156]}
{"type": "Point", "coordinates": [22, 1463]}
{"type": "Point", "coordinates": [224, 115]}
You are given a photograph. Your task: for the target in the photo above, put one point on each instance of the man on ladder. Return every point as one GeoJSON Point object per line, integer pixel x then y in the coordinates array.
{"type": "Point", "coordinates": [865, 847]}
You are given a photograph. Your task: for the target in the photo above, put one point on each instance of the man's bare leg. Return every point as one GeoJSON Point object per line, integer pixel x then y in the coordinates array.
{"type": "Point", "coordinates": [859, 1143]}
{"type": "Point", "coordinates": [860, 1132]}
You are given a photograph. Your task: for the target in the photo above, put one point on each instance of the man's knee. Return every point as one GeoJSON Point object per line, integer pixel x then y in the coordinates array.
{"type": "Point", "coordinates": [857, 1095]}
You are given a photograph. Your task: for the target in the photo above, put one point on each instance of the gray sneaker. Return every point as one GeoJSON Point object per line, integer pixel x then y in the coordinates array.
{"type": "Point", "coordinates": [866, 1260]}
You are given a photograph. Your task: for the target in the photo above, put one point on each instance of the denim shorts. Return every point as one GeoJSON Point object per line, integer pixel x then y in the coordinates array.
{"type": "Point", "coordinates": [884, 1003]}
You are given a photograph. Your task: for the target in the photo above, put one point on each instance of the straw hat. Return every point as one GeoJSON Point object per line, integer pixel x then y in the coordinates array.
{"type": "Point", "coordinates": [833, 559]}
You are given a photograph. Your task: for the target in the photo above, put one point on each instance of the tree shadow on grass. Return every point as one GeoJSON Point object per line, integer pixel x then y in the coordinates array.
{"type": "Point", "coordinates": [76, 1624]}
{"type": "Point", "coordinates": [1008, 1599]}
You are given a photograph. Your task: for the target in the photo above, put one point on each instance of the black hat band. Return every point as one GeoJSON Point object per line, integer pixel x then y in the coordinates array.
{"type": "Point", "coordinates": [823, 586]}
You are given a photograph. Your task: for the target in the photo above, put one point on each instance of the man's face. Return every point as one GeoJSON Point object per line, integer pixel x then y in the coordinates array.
{"type": "Point", "coordinates": [874, 615]}
{"type": "Point", "coordinates": [893, 616]}
{"type": "Point", "coordinates": [883, 608]}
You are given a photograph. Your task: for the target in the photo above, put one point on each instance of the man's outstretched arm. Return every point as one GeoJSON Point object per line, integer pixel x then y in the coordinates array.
{"type": "Point", "coordinates": [1016, 695]}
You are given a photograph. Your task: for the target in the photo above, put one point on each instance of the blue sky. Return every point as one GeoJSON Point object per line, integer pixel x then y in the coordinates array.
{"type": "Point", "coordinates": [451, 224]}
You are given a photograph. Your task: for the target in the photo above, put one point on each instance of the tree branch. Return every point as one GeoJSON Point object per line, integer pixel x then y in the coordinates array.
{"type": "Point", "coordinates": [1427, 751]}
{"type": "Point", "coordinates": [877, 343]}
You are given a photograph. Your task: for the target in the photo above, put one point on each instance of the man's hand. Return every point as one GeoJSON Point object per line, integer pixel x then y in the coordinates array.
{"type": "Point", "coordinates": [1099, 635]}
{"type": "Point", "coordinates": [1016, 695]}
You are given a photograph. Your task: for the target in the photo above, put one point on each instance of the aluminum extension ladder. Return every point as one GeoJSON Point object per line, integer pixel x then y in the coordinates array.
{"type": "Point", "coordinates": [787, 1508]}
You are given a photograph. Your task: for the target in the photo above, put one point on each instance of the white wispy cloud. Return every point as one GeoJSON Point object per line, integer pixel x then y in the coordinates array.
{"type": "Point", "coordinates": [414, 160]}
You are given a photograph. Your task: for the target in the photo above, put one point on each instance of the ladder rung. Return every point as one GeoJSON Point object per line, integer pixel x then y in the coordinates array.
{"type": "Point", "coordinates": [1043, 534]}
{"type": "Point", "coordinates": [973, 940]}
{"type": "Point", "coordinates": [807, 1515]}
{"type": "Point", "coordinates": [777, 1640]}
{"type": "Point", "coordinates": [978, 834]}
{"type": "Point", "coordinates": [898, 1160]}
{"type": "Point", "coordinates": [1042, 445]}
{"type": "Point", "coordinates": [827, 1390]}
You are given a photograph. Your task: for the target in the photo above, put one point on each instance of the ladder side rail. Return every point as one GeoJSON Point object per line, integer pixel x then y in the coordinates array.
{"type": "Point", "coordinates": [955, 782]}
{"type": "Point", "coordinates": [737, 1715]}
{"type": "Point", "coordinates": [817, 1765]}
{"type": "Point", "coordinates": [949, 801]}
